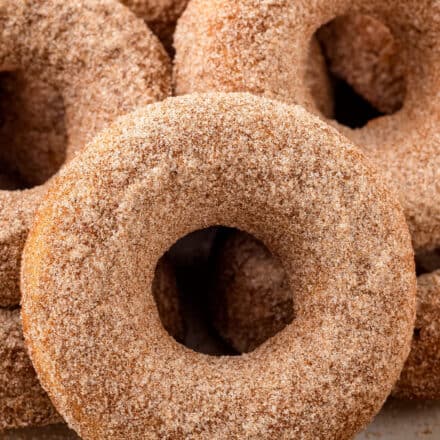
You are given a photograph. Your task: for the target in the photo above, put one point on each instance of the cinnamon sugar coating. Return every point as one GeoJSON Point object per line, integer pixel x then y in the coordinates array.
{"type": "Point", "coordinates": [421, 376]}
{"type": "Point", "coordinates": [22, 400]}
{"type": "Point", "coordinates": [188, 163]}
{"type": "Point", "coordinates": [23, 403]}
{"type": "Point", "coordinates": [91, 62]}
{"type": "Point", "coordinates": [245, 46]}
{"type": "Point", "coordinates": [160, 15]}
{"type": "Point", "coordinates": [363, 52]}
{"type": "Point", "coordinates": [253, 302]}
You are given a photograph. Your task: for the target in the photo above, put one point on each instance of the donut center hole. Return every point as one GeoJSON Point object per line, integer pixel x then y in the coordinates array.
{"type": "Point", "coordinates": [219, 291]}
{"type": "Point", "coordinates": [427, 261]}
{"type": "Point", "coordinates": [33, 134]}
{"type": "Point", "coordinates": [365, 71]}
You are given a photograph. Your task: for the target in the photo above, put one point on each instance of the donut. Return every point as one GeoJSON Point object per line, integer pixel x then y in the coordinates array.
{"type": "Point", "coordinates": [22, 400]}
{"type": "Point", "coordinates": [182, 165]}
{"type": "Point", "coordinates": [160, 15]}
{"type": "Point", "coordinates": [363, 52]}
{"type": "Point", "coordinates": [404, 145]}
{"type": "Point", "coordinates": [23, 403]}
{"type": "Point", "coordinates": [101, 48]}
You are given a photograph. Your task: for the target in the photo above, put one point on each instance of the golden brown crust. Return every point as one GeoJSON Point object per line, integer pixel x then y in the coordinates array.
{"type": "Point", "coordinates": [160, 15]}
{"type": "Point", "coordinates": [362, 51]}
{"type": "Point", "coordinates": [188, 163]}
{"type": "Point", "coordinates": [83, 53]}
{"type": "Point", "coordinates": [22, 400]}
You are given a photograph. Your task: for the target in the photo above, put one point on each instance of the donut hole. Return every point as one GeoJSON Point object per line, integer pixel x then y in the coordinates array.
{"type": "Point", "coordinates": [33, 133]}
{"type": "Point", "coordinates": [365, 68]}
{"type": "Point", "coordinates": [190, 258]}
{"type": "Point", "coordinates": [224, 305]}
{"type": "Point", "coordinates": [427, 261]}
{"type": "Point", "coordinates": [251, 299]}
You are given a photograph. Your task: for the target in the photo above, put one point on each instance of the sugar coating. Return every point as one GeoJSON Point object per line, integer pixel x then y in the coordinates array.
{"type": "Point", "coordinates": [420, 378]}
{"type": "Point", "coordinates": [102, 60]}
{"type": "Point", "coordinates": [160, 15]}
{"type": "Point", "coordinates": [23, 403]}
{"type": "Point", "coordinates": [188, 163]}
{"type": "Point", "coordinates": [254, 302]}
{"type": "Point", "coordinates": [362, 51]}
{"type": "Point", "coordinates": [22, 400]}
{"type": "Point", "coordinates": [262, 47]}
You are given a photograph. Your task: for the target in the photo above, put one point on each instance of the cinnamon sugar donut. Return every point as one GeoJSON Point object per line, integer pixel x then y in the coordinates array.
{"type": "Point", "coordinates": [363, 52]}
{"type": "Point", "coordinates": [160, 15]}
{"type": "Point", "coordinates": [23, 403]}
{"type": "Point", "coordinates": [22, 400]}
{"type": "Point", "coordinates": [270, 58]}
{"type": "Point", "coordinates": [83, 54]}
{"type": "Point", "coordinates": [186, 164]}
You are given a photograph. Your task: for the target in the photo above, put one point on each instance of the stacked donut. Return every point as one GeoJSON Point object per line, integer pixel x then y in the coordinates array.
{"type": "Point", "coordinates": [102, 172]}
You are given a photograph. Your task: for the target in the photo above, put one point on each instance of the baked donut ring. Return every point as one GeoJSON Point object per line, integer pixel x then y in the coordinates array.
{"type": "Point", "coordinates": [23, 403]}
{"type": "Point", "coordinates": [101, 48]}
{"type": "Point", "coordinates": [406, 145]}
{"type": "Point", "coordinates": [160, 15]}
{"type": "Point", "coordinates": [186, 164]}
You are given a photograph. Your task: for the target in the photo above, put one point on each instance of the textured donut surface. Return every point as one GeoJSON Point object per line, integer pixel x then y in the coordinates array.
{"type": "Point", "coordinates": [269, 58]}
{"type": "Point", "coordinates": [186, 164]}
{"type": "Point", "coordinates": [22, 400]}
{"type": "Point", "coordinates": [23, 403]}
{"type": "Point", "coordinates": [88, 53]}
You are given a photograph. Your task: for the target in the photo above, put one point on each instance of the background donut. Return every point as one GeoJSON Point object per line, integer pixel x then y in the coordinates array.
{"type": "Point", "coordinates": [22, 400]}
{"type": "Point", "coordinates": [70, 90]}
